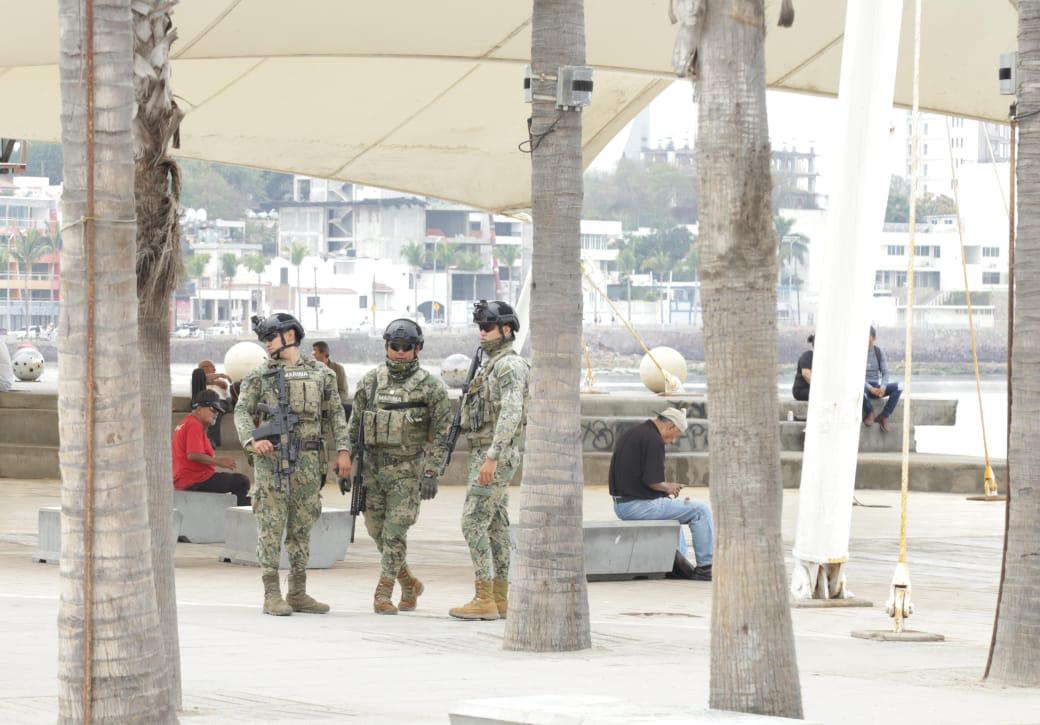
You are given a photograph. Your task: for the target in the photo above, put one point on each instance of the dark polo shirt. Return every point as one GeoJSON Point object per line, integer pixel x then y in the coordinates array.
{"type": "Point", "coordinates": [637, 462]}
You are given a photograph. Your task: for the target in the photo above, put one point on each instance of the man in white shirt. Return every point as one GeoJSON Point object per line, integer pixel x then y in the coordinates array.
{"type": "Point", "coordinates": [6, 369]}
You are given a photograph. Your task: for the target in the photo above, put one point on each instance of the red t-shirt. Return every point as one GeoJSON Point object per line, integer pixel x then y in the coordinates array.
{"type": "Point", "coordinates": [190, 437]}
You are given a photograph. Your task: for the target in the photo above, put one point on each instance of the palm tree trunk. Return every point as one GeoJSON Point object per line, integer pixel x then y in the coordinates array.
{"type": "Point", "coordinates": [107, 596]}
{"type": "Point", "coordinates": [157, 186]}
{"type": "Point", "coordinates": [1016, 628]}
{"type": "Point", "coordinates": [548, 603]}
{"type": "Point", "coordinates": [753, 666]}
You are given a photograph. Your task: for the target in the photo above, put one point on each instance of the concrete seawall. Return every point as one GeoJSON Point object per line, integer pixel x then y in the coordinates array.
{"type": "Point", "coordinates": [29, 442]}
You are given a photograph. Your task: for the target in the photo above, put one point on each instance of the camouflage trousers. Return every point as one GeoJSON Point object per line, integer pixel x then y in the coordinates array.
{"type": "Point", "coordinates": [485, 515]}
{"type": "Point", "coordinates": [292, 516]}
{"type": "Point", "coordinates": [391, 506]}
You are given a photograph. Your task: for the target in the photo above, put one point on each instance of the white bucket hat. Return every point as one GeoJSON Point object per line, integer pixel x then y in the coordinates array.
{"type": "Point", "coordinates": [676, 416]}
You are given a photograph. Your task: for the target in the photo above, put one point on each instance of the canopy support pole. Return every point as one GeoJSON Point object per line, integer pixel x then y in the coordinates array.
{"type": "Point", "coordinates": [860, 152]}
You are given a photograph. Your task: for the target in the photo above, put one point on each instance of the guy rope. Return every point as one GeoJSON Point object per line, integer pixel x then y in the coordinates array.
{"type": "Point", "coordinates": [672, 384]}
{"type": "Point", "coordinates": [989, 484]}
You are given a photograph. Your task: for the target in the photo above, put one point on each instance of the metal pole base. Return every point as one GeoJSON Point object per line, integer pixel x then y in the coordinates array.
{"type": "Point", "coordinates": [907, 635]}
{"type": "Point", "coordinates": [827, 603]}
{"type": "Point", "coordinates": [1000, 497]}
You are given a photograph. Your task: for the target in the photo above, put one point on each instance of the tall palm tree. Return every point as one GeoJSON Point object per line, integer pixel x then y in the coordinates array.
{"type": "Point", "coordinates": [255, 263]}
{"type": "Point", "coordinates": [415, 254]}
{"type": "Point", "coordinates": [753, 665]}
{"type": "Point", "coordinates": [1016, 628]}
{"type": "Point", "coordinates": [107, 588]}
{"type": "Point", "coordinates": [548, 604]}
{"type": "Point", "coordinates": [195, 265]}
{"type": "Point", "coordinates": [228, 267]}
{"type": "Point", "coordinates": [297, 254]}
{"type": "Point", "coordinates": [157, 186]}
{"type": "Point", "coordinates": [5, 265]}
{"type": "Point", "coordinates": [26, 248]}
{"type": "Point", "coordinates": [508, 255]}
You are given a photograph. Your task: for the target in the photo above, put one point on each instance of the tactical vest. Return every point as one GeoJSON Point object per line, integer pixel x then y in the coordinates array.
{"type": "Point", "coordinates": [303, 388]}
{"type": "Point", "coordinates": [399, 417]}
{"type": "Point", "coordinates": [484, 403]}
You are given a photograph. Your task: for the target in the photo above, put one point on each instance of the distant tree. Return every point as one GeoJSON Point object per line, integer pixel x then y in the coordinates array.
{"type": "Point", "coordinates": [670, 251]}
{"type": "Point", "coordinates": [898, 209]}
{"type": "Point", "coordinates": [195, 265]}
{"type": "Point", "coordinates": [44, 159]}
{"type": "Point", "coordinates": [264, 233]}
{"type": "Point", "coordinates": [415, 254]}
{"type": "Point", "coordinates": [256, 264]}
{"type": "Point", "coordinates": [5, 265]}
{"type": "Point", "coordinates": [27, 247]}
{"type": "Point", "coordinates": [467, 260]}
{"type": "Point", "coordinates": [297, 253]}
{"type": "Point", "coordinates": [642, 195]}
{"type": "Point", "coordinates": [228, 267]}
{"type": "Point", "coordinates": [508, 255]}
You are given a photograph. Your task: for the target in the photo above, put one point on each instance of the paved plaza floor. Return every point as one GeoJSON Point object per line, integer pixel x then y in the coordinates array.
{"type": "Point", "coordinates": [650, 638]}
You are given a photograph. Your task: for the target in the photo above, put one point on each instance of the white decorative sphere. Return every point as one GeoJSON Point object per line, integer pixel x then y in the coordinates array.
{"type": "Point", "coordinates": [670, 359]}
{"type": "Point", "coordinates": [242, 358]}
{"type": "Point", "coordinates": [454, 370]}
{"type": "Point", "coordinates": [28, 364]}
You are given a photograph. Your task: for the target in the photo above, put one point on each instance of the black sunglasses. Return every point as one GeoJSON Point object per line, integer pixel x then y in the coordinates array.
{"type": "Point", "coordinates": [269, 337]}
{"type": "Point", "coordinates": [401, 346]}
{"type": "Point", "coordinates": [488, 326]}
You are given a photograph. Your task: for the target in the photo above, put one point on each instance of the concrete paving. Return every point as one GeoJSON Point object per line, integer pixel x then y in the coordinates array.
{"type": "Point", "coordinates": [650, 638]}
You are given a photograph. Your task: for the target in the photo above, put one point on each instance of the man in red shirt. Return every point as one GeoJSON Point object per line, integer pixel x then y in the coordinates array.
{"type": "Point", "coordinates": [194, 462]}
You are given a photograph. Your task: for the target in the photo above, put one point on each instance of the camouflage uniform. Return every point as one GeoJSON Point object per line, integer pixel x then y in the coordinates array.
{"type": "Point", "coordinates": [313, 395]}
{"type": "Point", "coordinates": [495, 418]}
{"type": "Point", "coordinates": [404, 439]}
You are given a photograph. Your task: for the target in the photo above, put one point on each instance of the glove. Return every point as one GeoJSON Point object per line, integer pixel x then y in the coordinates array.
{"type": "Point", "coordinates": [344, 485]}
{"type": "Point", "coordinates": [427, 486]}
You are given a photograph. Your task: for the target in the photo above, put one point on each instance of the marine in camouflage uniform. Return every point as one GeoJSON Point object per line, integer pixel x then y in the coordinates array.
{"type": "Point", "coordinates": [292, 507]}
{"type": "Point", "coordinates": [406, 413]}
{"type": "Point", "coordinates": [494, 417]}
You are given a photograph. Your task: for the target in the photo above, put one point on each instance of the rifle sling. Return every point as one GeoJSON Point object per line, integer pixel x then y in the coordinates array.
{"type": "Point", "coordinates": [403, 406]}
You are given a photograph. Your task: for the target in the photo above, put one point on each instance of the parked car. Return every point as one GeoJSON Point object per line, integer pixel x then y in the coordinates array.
{"type": "Point", "coordinates": [187, 329]}
{"type": "Point", "coordinates": [28, 333]}
{"type": "Point", "coordinates": [221, 329]}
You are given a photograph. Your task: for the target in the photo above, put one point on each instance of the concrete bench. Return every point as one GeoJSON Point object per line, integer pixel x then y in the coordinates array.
{"type": "Point", "coordinates": [204, 517]}
{"type": "Point", "coordinates": [629, 549]}
{"type": "Point", "coordinates": [48, 541]}
{"type": "Point", "coordinates": [585, 709]}
{"type": "Point", "coordinates": [329, 538]}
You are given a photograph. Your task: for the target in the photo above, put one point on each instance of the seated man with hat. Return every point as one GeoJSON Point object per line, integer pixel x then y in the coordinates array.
{"type": "Point", "coordinates": [640, 492]}
{"type": "Point", "coordinates": [194, 461]}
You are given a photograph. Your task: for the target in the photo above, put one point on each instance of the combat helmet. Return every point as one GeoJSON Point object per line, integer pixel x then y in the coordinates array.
{"type": "Point", "coordinates": [277, 324]}
{"type": "Point", "coordinates": [496, 312]}
{"type": "Point", "coordinates": [404, 329]}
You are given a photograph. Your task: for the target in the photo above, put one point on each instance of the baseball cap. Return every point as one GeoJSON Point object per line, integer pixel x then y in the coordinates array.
{"type": "Point", "coordinates": [676, 416]}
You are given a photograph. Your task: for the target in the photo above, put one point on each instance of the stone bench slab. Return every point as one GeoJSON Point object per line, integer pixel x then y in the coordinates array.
{"type": "Point", "coordinates": [204, 515]}
{"type": "Point", "coordinates": [601, 710]}
{"type": "Point", "coordinates": [48, 540]}
{"type": "Point", "coordinates": [629, 549]}
{"type": "Point", "coordinates": [329, 538]}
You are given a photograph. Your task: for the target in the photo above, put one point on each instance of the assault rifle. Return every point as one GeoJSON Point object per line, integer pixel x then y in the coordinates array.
{"type": "Point", "coordinates": [452, 436]}
{"type": "Point", "coordinates": [357, 490]}
{"type": "Point", "coordinates": [280, 430]}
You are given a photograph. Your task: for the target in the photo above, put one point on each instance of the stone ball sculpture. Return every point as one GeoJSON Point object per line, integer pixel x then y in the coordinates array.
{"type": "Point", "coordinates": [671, 360]}
{"type": "Point", "coordinates": [241, 358]}
{"type": "Point", "coordinates": [28, 364]}
{"type": "Point", "coordinates": [454, 370]}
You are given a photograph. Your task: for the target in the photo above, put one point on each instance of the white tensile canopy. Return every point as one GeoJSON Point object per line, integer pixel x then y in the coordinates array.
{"type": "Point", "coordinates": [426, 96]}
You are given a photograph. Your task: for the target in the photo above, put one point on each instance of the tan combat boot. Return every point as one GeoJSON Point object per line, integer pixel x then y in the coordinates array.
{"type": "Point", "coordinates": [382, 604]}
{"type": "Point", "coordinates": [501, 591]}
{"type": "Point", "coordinates": [298, 598]}
{"type": "Point", "coordinates": [482, 606]}
{"type": "Point", "coordinates": [273, 602]}
{"type": "Point", "coordinates": [411, 588]}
